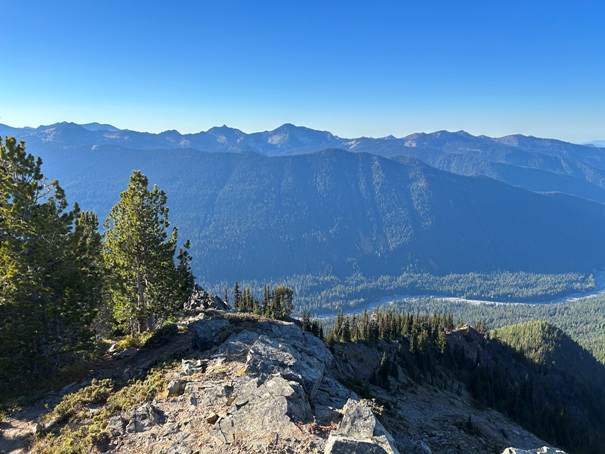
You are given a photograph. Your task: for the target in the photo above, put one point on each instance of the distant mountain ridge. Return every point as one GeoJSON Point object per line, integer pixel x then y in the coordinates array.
{"type": "Point", "coordinates": [296, 201]}
{"type": "Point", "coordinates": [540, 165]}
{"type": "Point", "coordinates": [287, 138]}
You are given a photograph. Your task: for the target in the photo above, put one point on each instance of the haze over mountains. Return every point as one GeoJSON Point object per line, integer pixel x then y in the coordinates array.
{"type": "Point", "coordinates": [297, 201]}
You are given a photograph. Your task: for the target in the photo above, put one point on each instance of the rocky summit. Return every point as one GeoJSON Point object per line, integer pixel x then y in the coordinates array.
{"type": "Point", "coordinates": [238, 383]}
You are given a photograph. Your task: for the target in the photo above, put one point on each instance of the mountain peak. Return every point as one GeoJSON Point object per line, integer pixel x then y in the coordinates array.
{"type": "Point", "coordinates": [94, 127]}
{"type": "Point", "coordinates": [224, 129]}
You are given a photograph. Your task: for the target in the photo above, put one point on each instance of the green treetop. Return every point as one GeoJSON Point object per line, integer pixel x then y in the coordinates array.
{"type": "Point", "coordinates": [47, 255]}
{"type": "Point", "coordinates": [146, 286]}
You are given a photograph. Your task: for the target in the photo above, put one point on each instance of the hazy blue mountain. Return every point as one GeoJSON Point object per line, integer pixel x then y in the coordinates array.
{"type": "Point", "coordinates": [267, 205]}
{"type": "Point", "coordinates": [100, 127]}
{"type": "Point", "coordinates": [540, 165]}
{"type": "Point", "coordinates": [258, 217]}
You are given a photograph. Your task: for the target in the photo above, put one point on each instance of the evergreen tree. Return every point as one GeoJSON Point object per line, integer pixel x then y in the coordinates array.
{"type": "Point", "coordinates": [441, 341]}
{"type": "Point", "coordinates": [266, 301]}
{"type": "Point", "coordinates": [185, 276]}
{"type": "Point", "coordinates": [49, 270]}
{"type": "Point", "coordinates": [86, 296]}
{"type": "Point", "coordinates": [281, 301]}
{"type": "Point", "coordinates": [145, 285]}
{"type": "Point", "coordinates": [237, 298]}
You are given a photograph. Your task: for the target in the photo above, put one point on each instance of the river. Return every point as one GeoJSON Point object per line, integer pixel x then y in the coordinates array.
{"type": "Point", "coordinates": [599, 289]}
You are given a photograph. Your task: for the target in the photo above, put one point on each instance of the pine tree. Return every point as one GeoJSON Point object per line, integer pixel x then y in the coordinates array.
{"type": "Point", "coordinates": [266, 306]}
{"type": "Point", "coordinates": [185, 276]}
{"type": "Point", "coordinates": [87, 296]}
{"type": "Point", "coordinates": [49, 275]}
{"type": "Point", "coordinates": [281, 301]}
{"type": "Point", "coordinates": [145, 285]}
{"type": "Point", "coordinates": [237, 298]}
{"type": "Point", "coordinates": [441, 341]}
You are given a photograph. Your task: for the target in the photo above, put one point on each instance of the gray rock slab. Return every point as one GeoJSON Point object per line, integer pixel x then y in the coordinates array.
{"type": "Point", "coordinates": [360, 425]}
{"type": "Point", "coordinates": [207, 333]}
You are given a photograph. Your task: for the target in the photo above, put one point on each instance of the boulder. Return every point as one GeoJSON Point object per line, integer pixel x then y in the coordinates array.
{"type": "Point", "coordinates": [200, 300]}
{"type": "Point", "coordinates": [207, 333]}
{"type": "Point", "coordinates": [176, 387]}
{"type": "Point", "coordinates": [360, 431]}
{"type": "Point", "coordinates": [269, 355]}
{"type": "Point", "coordinates": [144, 418]}
{"type": "Point", "coordinates": [260, 412]}
{"type": "Point", "coordinates": [116, 426]}
{"type": "Point", "coordinates": [191, 366]}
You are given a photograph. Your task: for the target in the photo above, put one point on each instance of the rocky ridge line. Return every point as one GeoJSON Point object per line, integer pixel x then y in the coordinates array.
{"type": "Point", "coordinates": [252, 387]}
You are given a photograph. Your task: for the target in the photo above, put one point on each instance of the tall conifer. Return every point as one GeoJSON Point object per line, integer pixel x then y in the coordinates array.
{"type": "Point", "coordinates": [146, 287]}
{"type": "Point", "coordinates": [49, 269]}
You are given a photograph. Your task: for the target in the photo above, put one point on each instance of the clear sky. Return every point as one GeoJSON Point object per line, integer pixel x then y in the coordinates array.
{"type": "Point", "coordinates": [354, 68]}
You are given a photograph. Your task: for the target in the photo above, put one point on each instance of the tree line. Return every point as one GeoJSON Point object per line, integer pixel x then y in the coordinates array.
{"type": "Point", "coordinates": [276, 303]}
{"type": "Point", "coordinates": [531, 372]}
{"type": "Point", "coordinates": [60, 278]}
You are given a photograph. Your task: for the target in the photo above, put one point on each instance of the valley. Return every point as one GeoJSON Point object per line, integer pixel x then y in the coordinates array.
{"type": "Point", "coordinates": [397, 239]}
{"type": "Point", "coordinates": [322, 212]}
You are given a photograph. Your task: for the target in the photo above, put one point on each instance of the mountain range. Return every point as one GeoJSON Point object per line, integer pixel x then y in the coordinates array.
{"type": "Point", "coordinates": [296, 201]}
{"type": "Point", "coordinates": [542, 165]}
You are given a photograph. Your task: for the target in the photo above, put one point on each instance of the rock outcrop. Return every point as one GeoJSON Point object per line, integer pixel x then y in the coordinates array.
{"type": "Point", "coordinates": [252, 385]}
{"type": "Point", "coordinates": [200, 300]}
{"type": "Point", "coordinates": [359, 432]}
{"type": "Point", "coordinates": [244, 384]}
{"type": "Point", "coordinates": [543, 450]}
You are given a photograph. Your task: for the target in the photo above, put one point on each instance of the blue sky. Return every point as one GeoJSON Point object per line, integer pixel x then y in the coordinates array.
{"type": "Point", "coordinates": [353, 68]}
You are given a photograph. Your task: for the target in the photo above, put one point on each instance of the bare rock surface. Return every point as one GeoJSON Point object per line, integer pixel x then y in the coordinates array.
{"type": "Point", "coordinates": [248, 386]}
{"type": "Point", "coordinates": [360, 432]}
{"type": "Point", "coordinates": [200, 300]}
{"type": "Point", "coordinates": [244, 384]}
{"type": "Point", "coordinates": [542, 450]}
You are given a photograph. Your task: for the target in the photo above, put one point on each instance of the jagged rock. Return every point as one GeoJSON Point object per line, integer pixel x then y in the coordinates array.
{"type": "Point", "coordinates": [269, 355]}
{"type": "Point", "coordinates": [37, 429]}
{"type": "Point", "coordinates": [342, 445]}
{"type": "Point", "coordinates": [144, 418]}
{"type": "Point", "coordinates": [360, 432]}
{"type": "Point", "coordinates": [331, 397]}
{"type": "Point", "coordinates": [263, 411]}
{"type": "Point", "coordinates": [207, 333]}
{"type": "Point", "coordinates": [542, 450]}
{"type": "Point", "coordinates": [216, 393]}
{"type": "Point", "coordinates": [201, 300]}
{"type": "Point", "coordinates": [212, 418]}
{"type": "Point", "coordinates": [190, 366]}
{"type": "Point", "coordinates": [238, 343]}
{"type": "Point", "coordinates": [176, 387]}
{"type": "Point", "coordinates": [116, 426]}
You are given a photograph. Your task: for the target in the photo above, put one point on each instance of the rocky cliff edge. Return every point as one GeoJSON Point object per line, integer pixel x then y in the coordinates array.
{"type": "Point", "coordinates": [250, 386]}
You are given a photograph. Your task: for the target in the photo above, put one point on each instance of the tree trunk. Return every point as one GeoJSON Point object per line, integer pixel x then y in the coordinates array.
{"type": "Point", "coordinates": [141, 303]}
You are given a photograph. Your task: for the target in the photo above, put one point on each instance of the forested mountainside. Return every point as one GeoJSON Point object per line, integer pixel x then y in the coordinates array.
{"type": "Point", "coordinates": [583, 320]}
{"type": "Point", "coordinates": [334, 212]}
{"type": "Point", "coordinates": [532, 372]}
{"type": "Point", "coordinates": [269, 206]}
